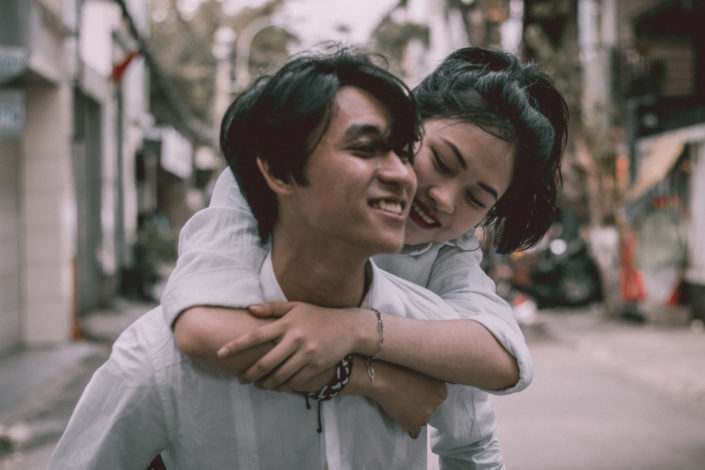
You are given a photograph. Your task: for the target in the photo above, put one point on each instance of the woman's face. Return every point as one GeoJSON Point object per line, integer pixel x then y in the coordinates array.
{"type": "Point", "coordinates": [462, 172]}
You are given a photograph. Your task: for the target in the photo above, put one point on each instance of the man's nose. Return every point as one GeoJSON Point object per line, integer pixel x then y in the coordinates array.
{"type": "Point", "coordinates": [394, 170]}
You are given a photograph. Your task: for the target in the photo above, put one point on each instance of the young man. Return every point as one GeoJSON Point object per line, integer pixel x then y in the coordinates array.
{"type": "Point", "coordinates": [321, 150]}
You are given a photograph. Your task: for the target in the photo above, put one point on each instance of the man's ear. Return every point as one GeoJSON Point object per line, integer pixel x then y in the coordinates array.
{"type": "Point", "coordinates": [276, 184]}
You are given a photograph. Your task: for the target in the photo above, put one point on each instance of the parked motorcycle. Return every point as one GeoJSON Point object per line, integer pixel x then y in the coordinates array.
{"type": "Point", "coordinates": [559, 271]}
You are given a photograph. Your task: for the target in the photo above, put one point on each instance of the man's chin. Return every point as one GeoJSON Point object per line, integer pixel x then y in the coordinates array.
{"type": "Point", "coordinates": [412, 236]}
{"type": "Point", "coordinates": [392, 247]}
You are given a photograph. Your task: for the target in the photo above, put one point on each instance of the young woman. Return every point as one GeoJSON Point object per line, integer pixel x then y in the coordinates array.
{"type": "Point", "coordinates": [494, 133]}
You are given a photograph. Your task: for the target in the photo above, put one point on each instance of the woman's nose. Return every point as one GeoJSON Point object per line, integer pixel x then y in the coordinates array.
{"type": "Point", "coordinates": [442, 196]}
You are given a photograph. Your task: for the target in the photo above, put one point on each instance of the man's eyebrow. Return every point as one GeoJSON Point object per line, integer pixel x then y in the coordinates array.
{"type": "Point", "coordinates": [363, 129]}
{"type": "Point", "coordinates": [463, 163]}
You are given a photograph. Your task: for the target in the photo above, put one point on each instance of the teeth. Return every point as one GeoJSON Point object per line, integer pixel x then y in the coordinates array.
{"type": "Point", "coordinates": [389, 206]}
{"type": "Point", "coordinates": [423, 215]}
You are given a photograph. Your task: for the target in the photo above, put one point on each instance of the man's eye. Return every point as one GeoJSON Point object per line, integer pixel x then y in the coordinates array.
{"type": "Point", "coordinates": [366, 149]}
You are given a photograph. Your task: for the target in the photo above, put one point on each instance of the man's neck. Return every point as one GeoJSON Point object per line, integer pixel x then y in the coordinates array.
{"type": "Point", "coordinates": [319, 273]}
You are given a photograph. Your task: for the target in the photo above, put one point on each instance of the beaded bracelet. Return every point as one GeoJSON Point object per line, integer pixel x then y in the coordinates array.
{"type": "Point", "coordinates": [335, 386]}
{"type": "Point", "coordinates": [380, 340]}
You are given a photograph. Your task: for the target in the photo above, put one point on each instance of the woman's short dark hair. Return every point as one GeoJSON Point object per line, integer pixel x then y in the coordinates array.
{"type": "Point", "coordinates": [282, 118]}
{"type": "Point", "coordinates": [517, 103]}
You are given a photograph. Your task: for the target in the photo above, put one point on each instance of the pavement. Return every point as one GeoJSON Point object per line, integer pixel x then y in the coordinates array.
{"type": "Point", "coordinates": [40, 387]}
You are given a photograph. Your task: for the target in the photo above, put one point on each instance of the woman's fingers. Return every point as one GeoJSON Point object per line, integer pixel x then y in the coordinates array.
{"type": "Point", "coordinates": [280, 379]}
{"type": "Point", "coordinates": [268, 363]}
{"type": "Point", "coordinates": [271, 309]}
{"type": "Point", "coordinates": [261, 335]}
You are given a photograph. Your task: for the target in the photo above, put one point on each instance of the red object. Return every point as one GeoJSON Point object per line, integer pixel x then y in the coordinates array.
{"type": "Point", "coordinates": [675, 298]}
{"type": "Point", "coordinates": [120, 68]}
{"type": "Point", "coordinates": [633, 289]}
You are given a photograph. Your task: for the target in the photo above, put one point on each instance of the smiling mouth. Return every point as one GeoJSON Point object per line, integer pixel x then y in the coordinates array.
{"type": "Point", "coordinates": [393, 207]}
{"type": "Point", "coordinates": [422, 218]}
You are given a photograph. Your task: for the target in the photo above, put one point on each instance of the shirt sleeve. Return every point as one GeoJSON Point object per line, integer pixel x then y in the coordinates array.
{"type": "Point", "coordinates": [220, 254]}
{"type": "Point", "coordinates": [463, 430]}
{"type": "Point", "coordinates": [457, 277]}
{"type": "Point", "coordinates": [119, 419]}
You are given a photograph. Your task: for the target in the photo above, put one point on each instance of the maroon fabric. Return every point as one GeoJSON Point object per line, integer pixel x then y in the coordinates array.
{"type": "Point", "coordinates": [157, 464]}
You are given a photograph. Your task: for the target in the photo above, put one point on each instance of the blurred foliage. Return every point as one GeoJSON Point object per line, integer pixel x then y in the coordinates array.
{"type": "Point", "coordinates": [391, 39]}
{"type": "Point", "coordinates": [154, 248]}
{"type": "Point", "coordinates": [268, 52]}
{"type": "Point", "coordinates": [482, 20]}
{"type": "Point", "coordinates": [185, 49]}
{"type": "Point", "coordinates": [551, 39]}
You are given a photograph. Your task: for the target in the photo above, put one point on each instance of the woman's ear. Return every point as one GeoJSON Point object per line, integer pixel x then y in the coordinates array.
{"type": "Point", "coordinates": [276, 184]}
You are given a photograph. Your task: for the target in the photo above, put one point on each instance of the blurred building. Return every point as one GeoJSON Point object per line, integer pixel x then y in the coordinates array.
{"type": "Point", "coordinates": [644, 73]}
{"type": "Point", "coordinates": [74, 121]}
{"type": "Point", "coordinates": [452, 25]}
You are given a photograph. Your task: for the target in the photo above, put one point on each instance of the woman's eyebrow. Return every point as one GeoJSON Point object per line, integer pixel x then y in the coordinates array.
{"type": "Point", "coordinates": [456, 152]}
{"type": "Point", "coordinates": [489, 189]}
{"type": "Point", "coordinates": [461, 160]}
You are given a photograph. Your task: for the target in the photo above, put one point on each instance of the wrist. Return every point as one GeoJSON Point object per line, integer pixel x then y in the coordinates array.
{"type": "Point", "coordinates": [366, 332]}
{"type": "Point", "coordinates": [359, 381]}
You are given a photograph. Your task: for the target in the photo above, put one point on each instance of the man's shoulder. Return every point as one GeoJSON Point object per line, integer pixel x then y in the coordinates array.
{"type": "Point", "coordinates": [149, 340]}
{"type": "Point", "coordinates": [394, 294]}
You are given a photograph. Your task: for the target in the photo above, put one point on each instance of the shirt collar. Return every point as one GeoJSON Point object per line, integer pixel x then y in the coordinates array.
{"type": "Point", "coordinates": [466, 242]}
{"type": "Point", "coordinates": [271, 290]}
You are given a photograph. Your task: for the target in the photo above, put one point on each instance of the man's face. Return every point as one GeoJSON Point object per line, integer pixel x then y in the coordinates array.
{"type": "Point", "coordinates": [359, 190]}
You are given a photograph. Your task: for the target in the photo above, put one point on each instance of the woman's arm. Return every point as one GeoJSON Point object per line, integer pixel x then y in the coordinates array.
{"type": "Point", "coordinates": [407, 396]}
{"type": "Point", "coordinates": [310, 338]}
{"type": "Point", "coordinates": [220, 254]}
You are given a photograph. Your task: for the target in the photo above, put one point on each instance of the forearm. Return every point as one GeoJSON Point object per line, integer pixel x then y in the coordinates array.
{"type": "Point", "coordinates": [200, 331]}
{"type": "Point", "coordinates": [407, 396]}
{"type": "Point", "coordinates": [456, 351]}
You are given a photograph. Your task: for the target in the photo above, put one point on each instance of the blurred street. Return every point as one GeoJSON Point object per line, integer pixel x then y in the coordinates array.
{"type": "Point", "coordinates": [607, 395]}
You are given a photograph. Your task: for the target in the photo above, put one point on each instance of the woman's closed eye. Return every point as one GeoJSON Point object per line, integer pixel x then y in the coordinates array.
{"type": "Point", "coordinates": [440, 165]}
{"type": "Point", "coordinates": [472, 200]}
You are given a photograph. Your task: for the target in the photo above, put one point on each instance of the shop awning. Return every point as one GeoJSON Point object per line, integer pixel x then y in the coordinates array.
{"type": "Point", "coordinates": [655, 166]}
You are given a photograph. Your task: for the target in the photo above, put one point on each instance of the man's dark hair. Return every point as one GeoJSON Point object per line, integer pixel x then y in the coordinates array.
{"type": "Point", "coordinates": [519, 104]}
{"type": "Point", "coordinates": [282, 118]}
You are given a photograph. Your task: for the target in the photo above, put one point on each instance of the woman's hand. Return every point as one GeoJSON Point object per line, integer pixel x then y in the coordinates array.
{"type": "Point", "coordinates": [308, 340]}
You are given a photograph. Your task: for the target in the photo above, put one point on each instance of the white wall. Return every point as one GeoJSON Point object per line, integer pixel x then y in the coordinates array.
{"type": "Point", "coordinates": [696, 231]}
{"type": "Point", "coordinates": [48, 207]}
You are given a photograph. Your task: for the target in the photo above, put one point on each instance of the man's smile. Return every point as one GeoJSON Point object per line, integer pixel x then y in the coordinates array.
{"type": "Point", "coordinates": [387, 205]}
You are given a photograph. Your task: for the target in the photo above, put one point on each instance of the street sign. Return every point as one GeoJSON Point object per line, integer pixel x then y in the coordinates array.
{"type": "Point", "coordinates": [12, 113]}
{"type": "Point", "coordinates": [13, 61]}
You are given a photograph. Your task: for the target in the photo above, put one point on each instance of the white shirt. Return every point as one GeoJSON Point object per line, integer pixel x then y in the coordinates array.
{"type": "Point", "coordinates": [149, 398]}
{"type": "Point", "coordinates": [220, 254]}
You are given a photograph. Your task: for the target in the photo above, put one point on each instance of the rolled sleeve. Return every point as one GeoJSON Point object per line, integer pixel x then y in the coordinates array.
{"type": "Point", "coordinates": [459, 279]}
{"type": "Point", "coordinates": [220, 254]}
{"type": "Point", "coordinates": [463, 431]}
